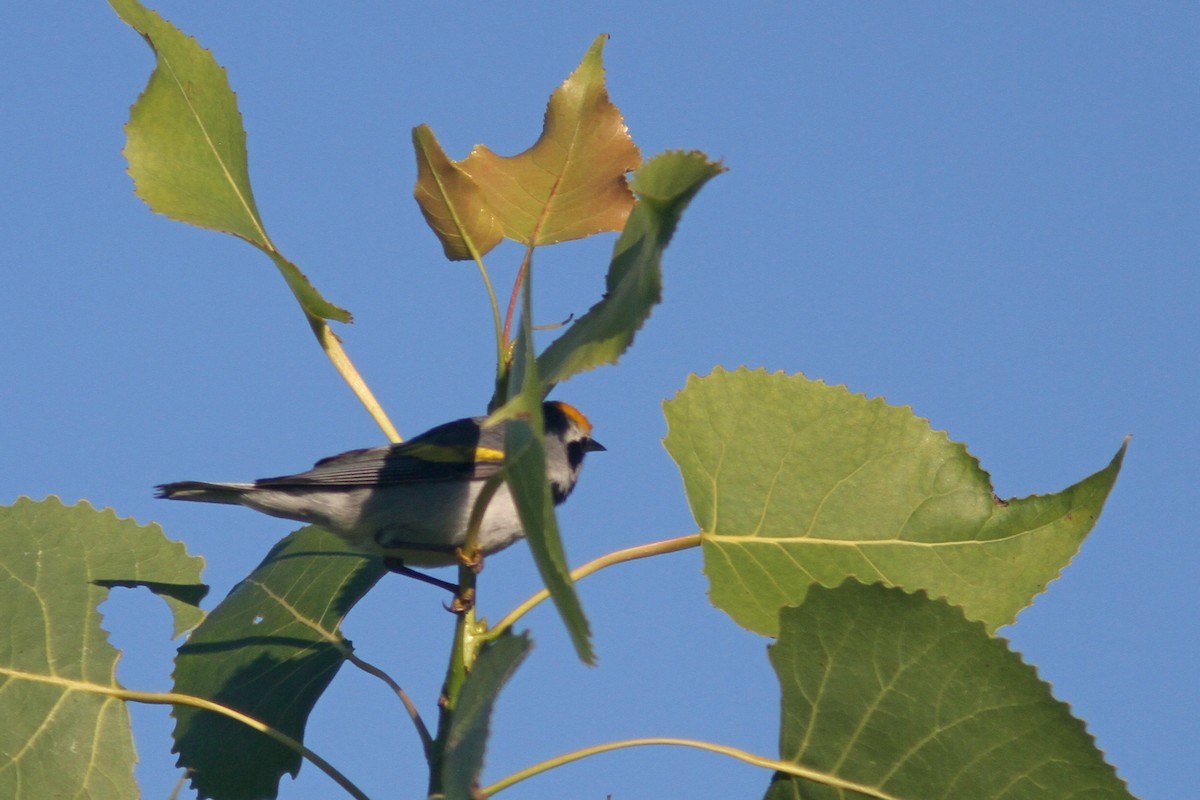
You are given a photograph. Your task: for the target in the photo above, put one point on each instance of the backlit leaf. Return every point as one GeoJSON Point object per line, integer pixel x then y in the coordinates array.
{"type": "Point", "coordinates": [795, 483]}
{"type": "Point", "coordinates": [186, 147]}
{"type": "Point", "coordinates": [64, 733]}
{"type": "Point", "coordinates": [569, 184]}
{"type": "Point", "coordinates": [453, 205]}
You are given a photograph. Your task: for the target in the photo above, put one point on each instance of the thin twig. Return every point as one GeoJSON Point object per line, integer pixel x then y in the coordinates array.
{"type": "Point", "coordinates": [409, 706]}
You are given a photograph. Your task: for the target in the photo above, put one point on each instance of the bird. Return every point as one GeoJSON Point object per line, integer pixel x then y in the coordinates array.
{"type": "Point", "coordinates": [409, 503]}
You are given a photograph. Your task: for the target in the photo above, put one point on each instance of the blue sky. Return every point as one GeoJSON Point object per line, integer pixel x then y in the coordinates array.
{"type": "Point", "coordinates": [987, 213]}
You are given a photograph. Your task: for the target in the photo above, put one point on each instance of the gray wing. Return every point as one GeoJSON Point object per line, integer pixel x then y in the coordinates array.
{"type": "Point", "coordinates": [446, 453]}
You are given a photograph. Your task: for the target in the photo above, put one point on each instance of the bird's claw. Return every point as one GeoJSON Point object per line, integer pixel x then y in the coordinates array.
{"type": "Point", "coordinates": [463, 602]}
{"type": "Point", "coordinates": [473, 560]}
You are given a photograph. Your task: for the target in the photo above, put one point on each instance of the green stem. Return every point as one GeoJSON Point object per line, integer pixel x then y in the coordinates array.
{"type": "Point", "coordinates": [786, 767]}
{"type": "Point", "coordinates": [461, 656]}
{"type": "Point", "coordinates": [409, 706]}
{"type": "Point", "coordinates": [501, 344]}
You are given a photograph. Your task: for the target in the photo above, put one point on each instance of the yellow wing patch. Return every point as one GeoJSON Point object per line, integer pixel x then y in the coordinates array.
{"type": "Point", "coordinates": [452, 454]}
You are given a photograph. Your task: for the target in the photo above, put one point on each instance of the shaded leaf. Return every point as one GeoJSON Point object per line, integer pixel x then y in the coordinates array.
{"type": "Point", "coordinates": [571, 182]}
{"type": "Point", "coordinates": [525, 474]}
{"type": "Point", "coordinates": [471, 718]}
{"type": "Point", "coordinates": [903, 698]}
{"type": "Point", "coordinates": [794, 482]}
{"type": "Point", "coordinates": [664, 186]}
{"type": "Point", "coordinates": [63, 736]}
{"type": "Point", "coordinates": [452, 203]}
{"type": "Point", "coordinates": [525, 465]}
{"type": "Point", "coordinates": [186, 147]}
{"type": "Point", "coordinates": [269, 650]}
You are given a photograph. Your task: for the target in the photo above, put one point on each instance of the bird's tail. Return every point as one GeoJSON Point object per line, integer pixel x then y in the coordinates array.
{"type": "Point", "coordinates": [201, 492]}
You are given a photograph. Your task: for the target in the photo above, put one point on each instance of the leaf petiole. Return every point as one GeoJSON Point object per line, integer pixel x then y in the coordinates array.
{"type": "Point", "coordinates": [786, 767]}
{"type": "Point", "coordinates": [616, 557]}
{"type": "Point", "coordinates": [332, 346]}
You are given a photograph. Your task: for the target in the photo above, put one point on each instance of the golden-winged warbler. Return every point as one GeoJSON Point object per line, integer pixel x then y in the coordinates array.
{"type": "Point", "coordinates": [410, 502]}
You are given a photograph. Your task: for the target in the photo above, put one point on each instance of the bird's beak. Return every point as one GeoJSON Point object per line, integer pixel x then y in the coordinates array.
{"type": "Point", "coordinates": [592, 446]}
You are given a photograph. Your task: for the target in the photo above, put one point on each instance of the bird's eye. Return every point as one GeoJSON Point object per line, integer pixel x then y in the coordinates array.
{"type": "Point", "coordinates": [575, 454]}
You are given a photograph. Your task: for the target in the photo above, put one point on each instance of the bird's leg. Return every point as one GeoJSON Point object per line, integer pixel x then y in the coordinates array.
{"type": "Point", "coordinates": [464, 599]}
{"type": "Point", "coordinates": [396, 565]}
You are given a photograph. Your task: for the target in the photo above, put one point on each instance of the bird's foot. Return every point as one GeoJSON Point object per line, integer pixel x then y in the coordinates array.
{"type": "Point", "coordinates": [463, 601]}
{"type": "Point", "coordinates": [473, 560]}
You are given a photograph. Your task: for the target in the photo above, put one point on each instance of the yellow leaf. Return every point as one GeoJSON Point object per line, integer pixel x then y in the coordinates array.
{"type": "Point", "coordinates": [571, 182]}
{"type": "Point", "coordinates": [452, 203]}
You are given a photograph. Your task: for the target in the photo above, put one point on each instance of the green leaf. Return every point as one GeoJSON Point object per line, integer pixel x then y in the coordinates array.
{"type": "Point", "coordinates": [268, 650]}
{"type": "Point", "coordinates": [65, 734]}
{"type": "Point", "coordinates": [892, 695]}
{"type": "Point", "coordinates": [664, 186]}
{"type": "Point", "coordinates": [525, 466]}
{"type": "Point", "coordinates": [187, 149]}
{"type": "Point", "coordinates": [525, 474]}
{"type": "Point", "coordinates": [795, 483]}
{"type": "Point", "coordinates": [471, 718]}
